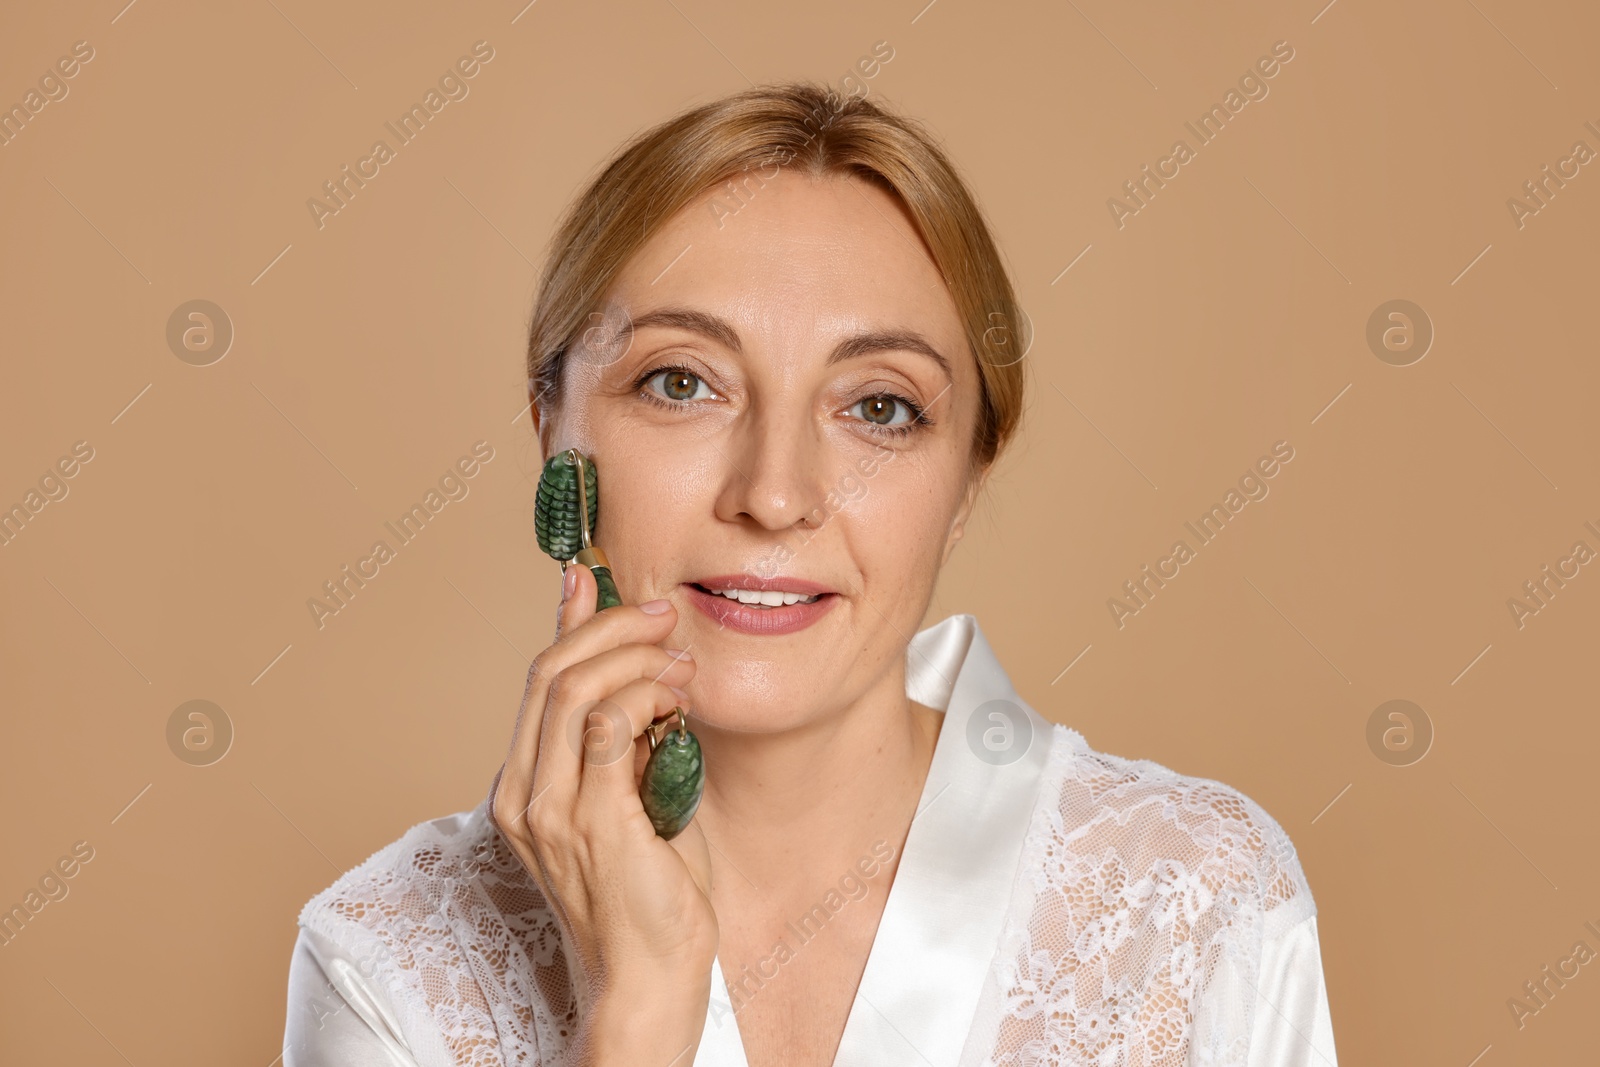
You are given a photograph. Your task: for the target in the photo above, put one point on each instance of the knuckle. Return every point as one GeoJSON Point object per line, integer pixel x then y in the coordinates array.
{"type": "Point", "coordinates": [584, 826]}
{"type": "Point", "coordinates": [572, 682]}
{"type": "Point", "coordinates": [503, 815]}
{"type": "Point", "coordinates": [560, 688]}
{"type": "Point", "coordinates": [542, 825]}
{"type": "Point", "coordinates": [545, 663]}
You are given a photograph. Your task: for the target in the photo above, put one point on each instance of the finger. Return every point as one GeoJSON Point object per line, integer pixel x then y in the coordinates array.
{"type": "Point", "coordinates": [615, 726]}
{"type": "Point", "coordinates": [576, 611]}
{"type": "Point", "coordinates": [584, 721]}
{"type": "Point", "coordinates": [599, 632]}
{"type": "Point", "coordinates": [510, 798]}
{"type": "Point", "coordinates": [577, 606]}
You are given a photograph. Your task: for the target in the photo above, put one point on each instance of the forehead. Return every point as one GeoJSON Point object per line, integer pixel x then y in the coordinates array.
{"type": "Point", "coordinates": [795, 259]}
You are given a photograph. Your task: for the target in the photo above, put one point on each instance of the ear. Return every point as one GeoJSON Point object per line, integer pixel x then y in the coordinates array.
{"type": "Point", "coordinates": [969, 498]}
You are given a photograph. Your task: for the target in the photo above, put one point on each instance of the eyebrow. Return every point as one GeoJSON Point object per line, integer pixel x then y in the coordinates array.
{"type": "Point", "coordinates": [722, 332]}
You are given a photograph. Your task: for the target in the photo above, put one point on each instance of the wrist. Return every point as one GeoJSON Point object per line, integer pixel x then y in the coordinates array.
{"type": "Point", "coordinates": [639, 1022]}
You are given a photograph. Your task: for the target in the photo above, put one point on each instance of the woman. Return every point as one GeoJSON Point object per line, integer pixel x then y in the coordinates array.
{"type": "Point", "coordinates": [779, 326]}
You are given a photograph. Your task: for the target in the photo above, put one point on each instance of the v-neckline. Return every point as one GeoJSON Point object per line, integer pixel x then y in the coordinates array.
{"type": "Point", "coordinates": [942, 920]}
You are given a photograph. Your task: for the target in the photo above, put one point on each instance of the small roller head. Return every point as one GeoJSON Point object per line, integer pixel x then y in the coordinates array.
{"type": "Point", "coordinates": [556, 521]}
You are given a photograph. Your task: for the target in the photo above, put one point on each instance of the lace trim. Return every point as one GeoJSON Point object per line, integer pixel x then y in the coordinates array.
{"type": "Point", "coordinates": [1135, 932]}
{"type": "Point", "coordinates": [1133, 938]}
{"type": "Point", "coordinates": [468, 946]}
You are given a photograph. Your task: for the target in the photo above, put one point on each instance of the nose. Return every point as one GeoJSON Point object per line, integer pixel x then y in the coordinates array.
{"type": "Point", "coordinates": [775, 472]}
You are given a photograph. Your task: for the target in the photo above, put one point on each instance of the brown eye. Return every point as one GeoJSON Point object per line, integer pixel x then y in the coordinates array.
{"type": "Point", "coordinates": [880, 410]}
{"type": "Point", "coordinates": [678, 385]}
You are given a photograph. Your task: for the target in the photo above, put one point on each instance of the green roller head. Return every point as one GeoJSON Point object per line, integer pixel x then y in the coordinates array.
{"type": "Point", "coordinates": [556, 521]}
{"type": "Point", "coordinates": [674, 780]}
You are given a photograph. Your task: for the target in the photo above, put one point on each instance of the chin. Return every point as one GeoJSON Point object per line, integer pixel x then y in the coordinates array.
{"type": "Point", "coordinates": [752, 696]}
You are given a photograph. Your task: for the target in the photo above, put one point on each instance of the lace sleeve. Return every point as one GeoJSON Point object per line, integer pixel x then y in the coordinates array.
{"type": "Point", "coordinates": [1139, 913]}
{"type": "Point", "coordinates": [1285, 894]}
{"type": "Point", "coordinates": [447, 922]}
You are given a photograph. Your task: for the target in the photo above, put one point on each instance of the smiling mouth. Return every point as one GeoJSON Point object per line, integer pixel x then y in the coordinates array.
{"type": "Point", "coordinates": [753, 598]}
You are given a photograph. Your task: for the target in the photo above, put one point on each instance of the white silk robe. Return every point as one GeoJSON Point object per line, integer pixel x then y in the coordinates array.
{"type": "Point", "coordinates": [1053, 906]}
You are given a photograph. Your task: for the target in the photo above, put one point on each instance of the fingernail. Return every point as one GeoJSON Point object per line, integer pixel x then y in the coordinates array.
{"type": "Point", "coordinates": [569, 582]}
{"type": "Point", "coordinates": [679, 693]}
{"type": "Point", "coordinates": [678, 653]}
{"type": "Point", "coordinates": [655, 607]}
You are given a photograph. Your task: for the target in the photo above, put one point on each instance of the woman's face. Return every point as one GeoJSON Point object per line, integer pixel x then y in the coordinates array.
{"type": "Point", "coordinates": [780, 397]}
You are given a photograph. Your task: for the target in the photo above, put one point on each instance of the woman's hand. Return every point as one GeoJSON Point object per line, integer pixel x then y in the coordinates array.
{"type": "Point", "coordinates": [635, 911]}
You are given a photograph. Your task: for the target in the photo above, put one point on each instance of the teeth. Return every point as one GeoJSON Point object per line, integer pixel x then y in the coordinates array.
{"type": "Point", "coordinates": [770, 598]}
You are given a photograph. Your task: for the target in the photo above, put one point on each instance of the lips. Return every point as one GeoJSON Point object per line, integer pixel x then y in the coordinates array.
{"type": "Point", "coordinates": [761, 606]}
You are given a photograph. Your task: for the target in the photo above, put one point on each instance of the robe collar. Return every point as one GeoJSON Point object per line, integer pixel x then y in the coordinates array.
{"type": "Point", "coordinates": [946, 907]}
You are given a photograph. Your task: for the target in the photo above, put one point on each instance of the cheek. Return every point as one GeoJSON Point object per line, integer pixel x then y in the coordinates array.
{"type": "Point", "coordinates": [655, 505]}
{"type": "Point", "coordinates": [897, 528]}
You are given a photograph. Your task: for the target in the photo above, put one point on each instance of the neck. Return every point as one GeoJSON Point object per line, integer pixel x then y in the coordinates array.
{"type": "Point", "coordinates": [786, 808]}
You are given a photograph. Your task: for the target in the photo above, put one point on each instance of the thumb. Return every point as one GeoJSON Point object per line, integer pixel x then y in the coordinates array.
{"type": "Point", "coordinates": [691, 845]}
{"type": "Point", "coordinates": [579, 593]}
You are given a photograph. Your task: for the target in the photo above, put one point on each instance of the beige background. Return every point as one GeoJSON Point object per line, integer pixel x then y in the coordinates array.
{"type": "Point", "coordinates": [1227, 314]}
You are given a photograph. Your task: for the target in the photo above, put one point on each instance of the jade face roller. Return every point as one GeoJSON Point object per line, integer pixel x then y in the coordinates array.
{"type": "Point", "coordinates": [675, 776]}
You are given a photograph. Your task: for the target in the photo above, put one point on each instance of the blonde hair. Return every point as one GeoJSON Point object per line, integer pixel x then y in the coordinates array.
{"type": "Point", "coordinates": [821, 132]}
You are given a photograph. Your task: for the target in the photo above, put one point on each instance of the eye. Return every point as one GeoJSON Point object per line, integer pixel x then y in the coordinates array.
{"type": "Point", "coordinates": [884, 410]}
{"type": "Point", "coordinates": [677, 384]}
